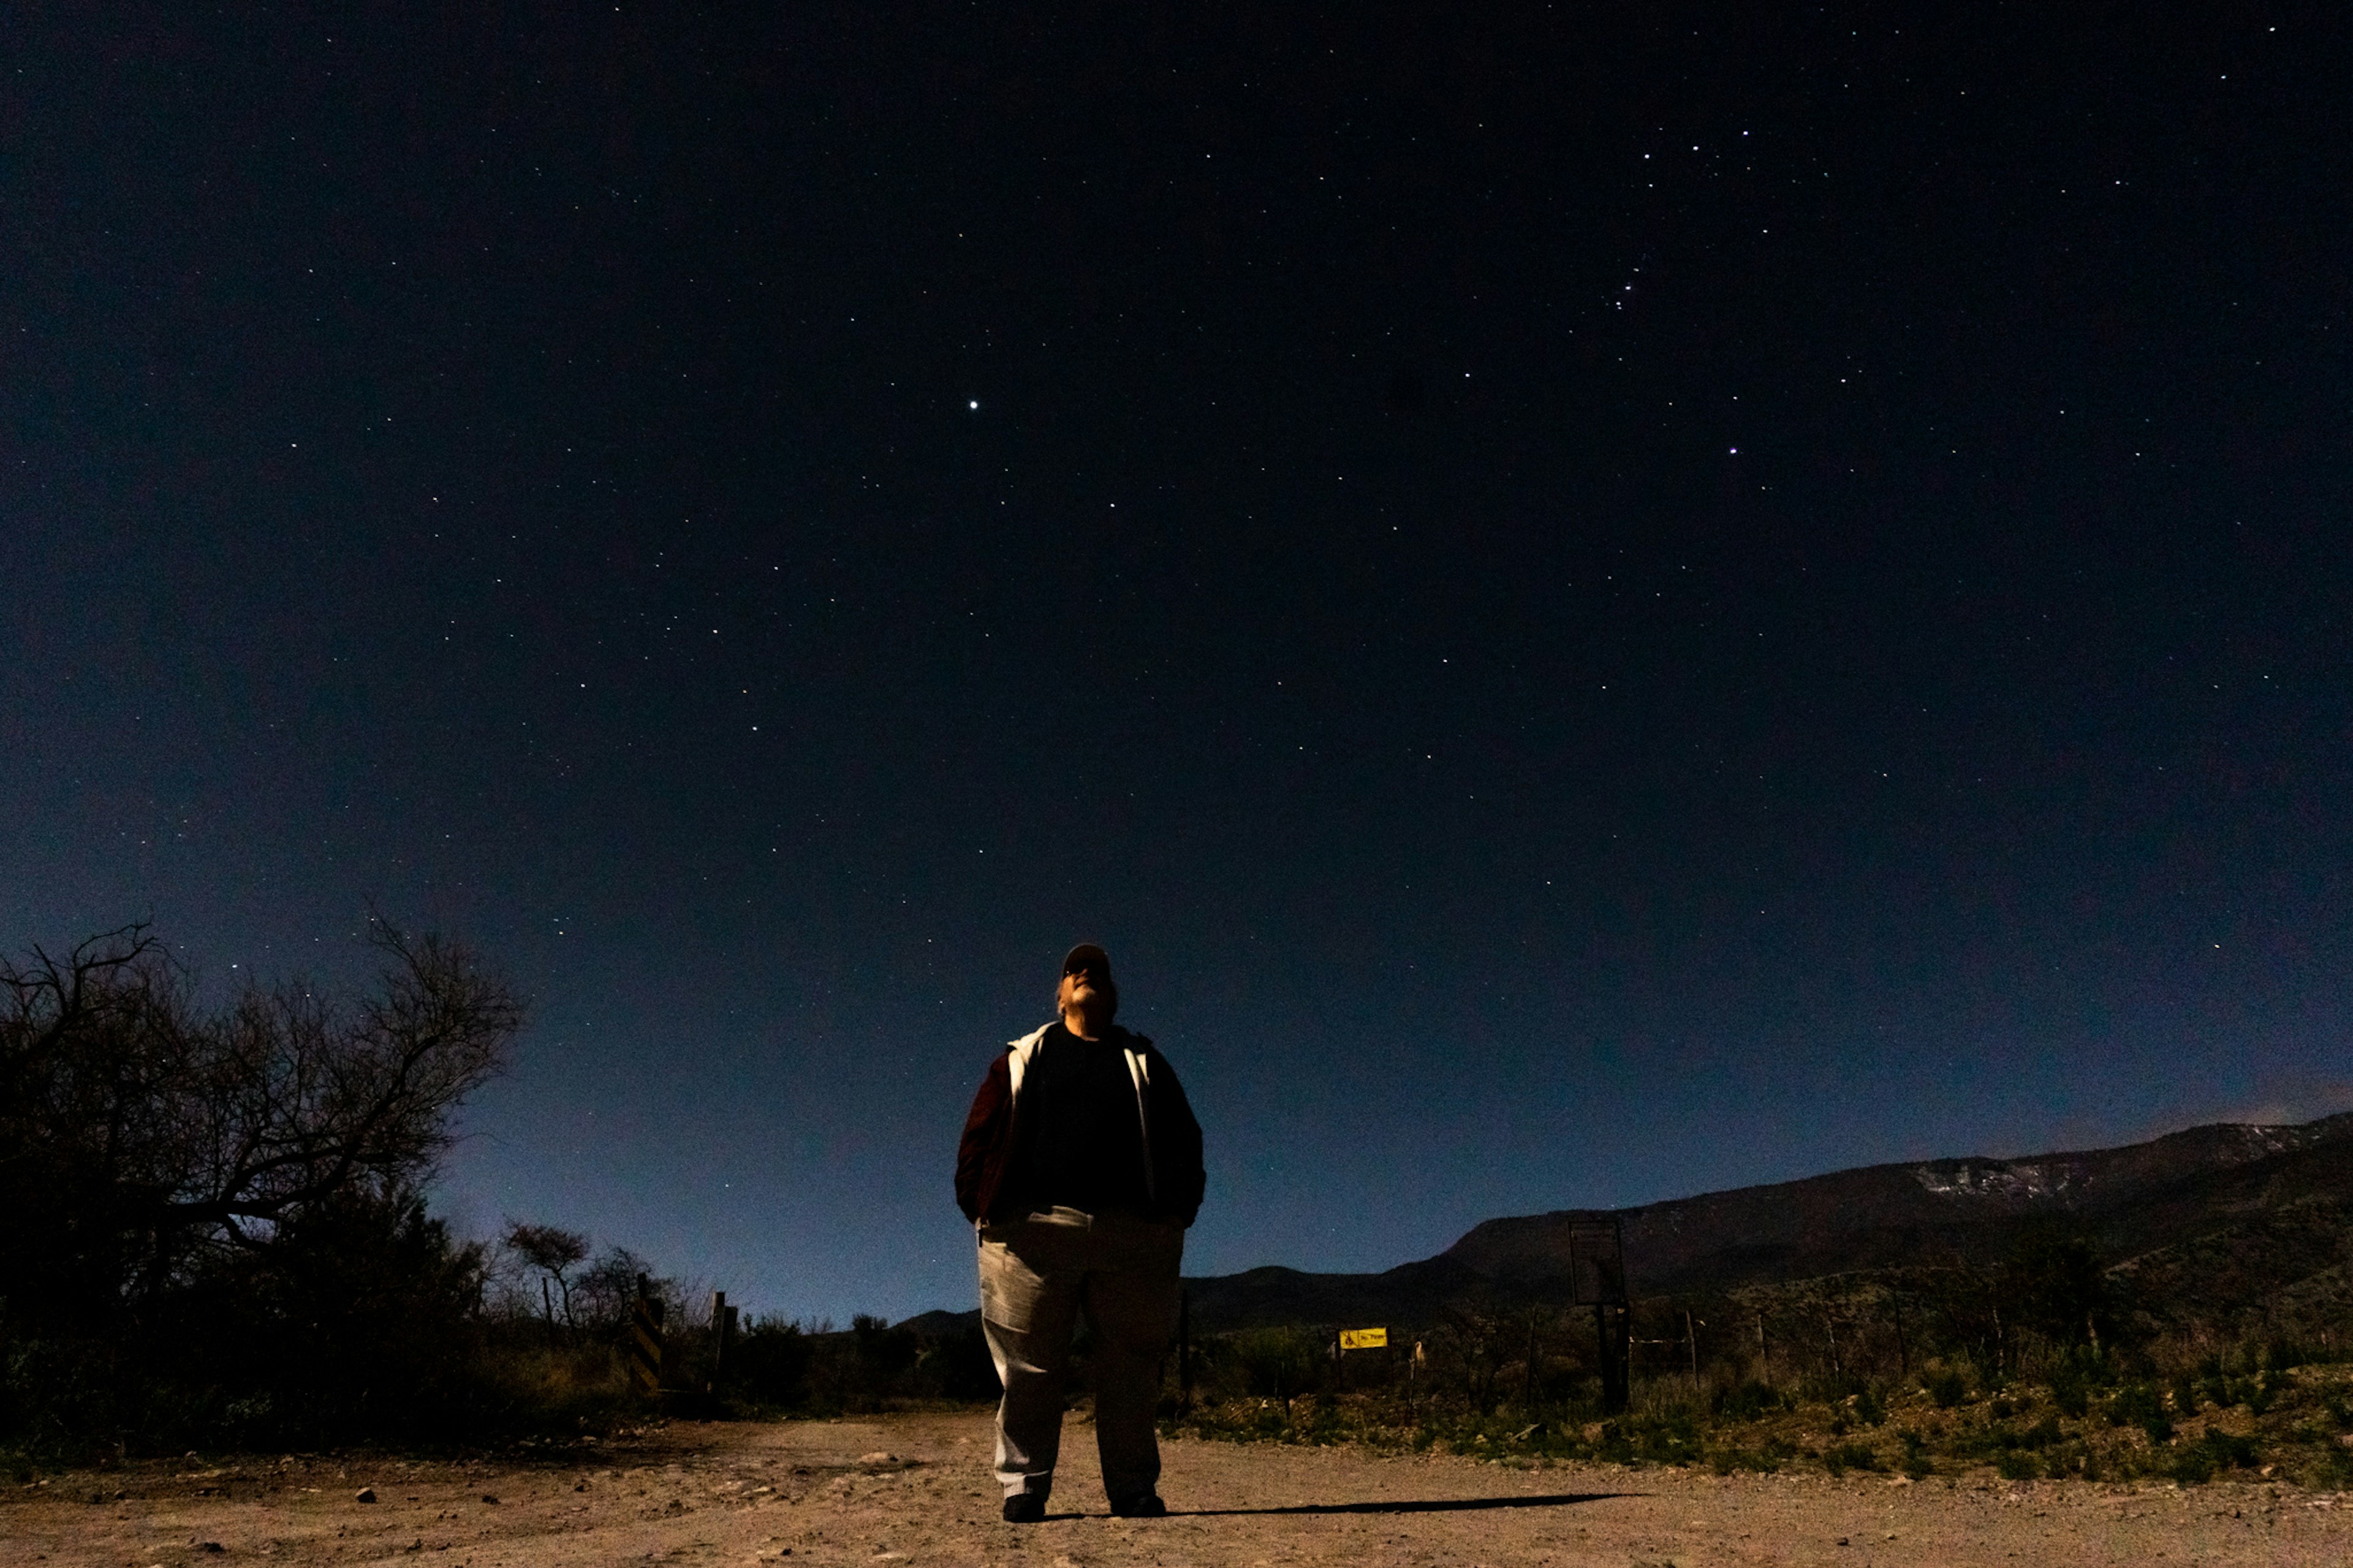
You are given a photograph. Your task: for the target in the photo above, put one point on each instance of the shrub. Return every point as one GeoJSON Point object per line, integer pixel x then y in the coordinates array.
{"type": "Point", "coordinates": [2197, 1462]}
{"type": "Point", "coordinates": [2284, 1355]}
{"type": "Point", "coordinates": [1744, 1401]}
{"type": "Point", "coordinates": [1672, 1438]}
{"type": "Point", "coordinates": [1278, 1363]}
{"type": "Point", "coordinates": [1946, 1385]}
{"type": "Point", "coordinates": [2058, 1286]}
{"type": "Point", "coordinates": [1844, 1457]}
{"type": "Point", "coordinates": [1766, 1458]}
{"type": "Point", "coordinates": [879, 1355]}
{"type": "Point", "coordinates": [2017, 1465]}
{"type": "Point", "coordinates": [963, 1368]}
{"type": "Point", "coordinates": [2137, 1405]}
{"type": "Point", "coordinates": [2070, 1390]}
{"type": "Point", "coordinates": [769, 1362]}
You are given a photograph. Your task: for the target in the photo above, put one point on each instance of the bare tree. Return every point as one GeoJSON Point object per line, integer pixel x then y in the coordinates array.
{"type": "Point", "coordinates": [553, 1253]}
{"type": "Point", "coordinates": [605, 1291]}
{"type": "Point", "coordinates": [139, 1129]}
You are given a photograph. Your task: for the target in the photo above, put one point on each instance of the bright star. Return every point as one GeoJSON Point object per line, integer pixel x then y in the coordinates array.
{"type": "Point", "coordinates": [974, 404]}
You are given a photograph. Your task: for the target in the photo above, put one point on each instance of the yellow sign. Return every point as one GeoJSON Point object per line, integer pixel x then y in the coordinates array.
{"type": "Point", "coordinates": [1364, 1339]}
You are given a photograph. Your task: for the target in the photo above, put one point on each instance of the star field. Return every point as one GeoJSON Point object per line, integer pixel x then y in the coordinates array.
{"type": "Point", "coordinates": [1594, 602]}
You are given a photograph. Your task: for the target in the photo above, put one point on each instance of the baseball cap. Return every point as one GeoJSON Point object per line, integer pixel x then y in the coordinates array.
{"type": "Point", "coordinates": [1089, 957]}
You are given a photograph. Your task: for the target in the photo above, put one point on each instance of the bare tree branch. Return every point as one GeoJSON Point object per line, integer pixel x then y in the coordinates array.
{"type": "Point", "coordinates": [138, 1128]}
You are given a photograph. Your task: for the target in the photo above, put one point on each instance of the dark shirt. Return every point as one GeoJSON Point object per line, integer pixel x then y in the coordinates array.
{"type": "Point", "coordinates": [1080, 1143]}
{"type": "Point", "coordinates": [990, 1156]}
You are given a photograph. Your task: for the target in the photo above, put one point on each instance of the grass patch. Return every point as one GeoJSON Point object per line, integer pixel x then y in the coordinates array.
{"type": "Point", "coordinates": [1847, 1456]}
{"type": "Point", "coordinates": [2027, 1430]}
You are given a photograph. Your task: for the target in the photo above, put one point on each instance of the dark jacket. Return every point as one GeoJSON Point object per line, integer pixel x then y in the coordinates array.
{"type": "Point", "coordinates": [1172, 1139]}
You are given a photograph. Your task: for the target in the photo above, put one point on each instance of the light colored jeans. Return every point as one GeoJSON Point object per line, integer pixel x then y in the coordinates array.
{"type": "Point", "coordinates": [1035, 1274]}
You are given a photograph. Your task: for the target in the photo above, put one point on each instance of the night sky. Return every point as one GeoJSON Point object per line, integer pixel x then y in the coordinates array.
{"type": "Point", "coordinates": [1595, 602]}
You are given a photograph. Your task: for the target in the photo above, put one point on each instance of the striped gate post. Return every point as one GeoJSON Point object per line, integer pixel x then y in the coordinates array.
{"type": "Point", "coordinates": [645, 1341]}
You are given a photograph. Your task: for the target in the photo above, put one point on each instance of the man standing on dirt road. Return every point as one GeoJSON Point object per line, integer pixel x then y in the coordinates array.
{"type": "Point", "coordinates": [1080, 1164]}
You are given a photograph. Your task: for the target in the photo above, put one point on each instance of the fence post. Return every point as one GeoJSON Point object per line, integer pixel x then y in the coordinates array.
{"type": "Point", "coordinates": [1597, 1267]}
{"type": "Point", "coordinates": [645, 1344]}
{"type": "Point", "coordinates": [723, 1335]}
{"type": "Point", "coordinates": [1612, 1337]}
{"type": "Point", "coordinates": [1184, 1352]}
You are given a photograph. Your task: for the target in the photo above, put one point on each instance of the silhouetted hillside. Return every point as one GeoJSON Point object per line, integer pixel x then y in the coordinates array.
{"type": "Point", "coordinates": [2143, 1194]}
{"type": "Point", "coordinates": [2224, 1212]}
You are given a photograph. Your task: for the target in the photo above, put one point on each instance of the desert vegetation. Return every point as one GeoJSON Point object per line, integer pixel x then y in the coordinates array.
{"type": "Point", "coordinates": [217, 1232]}
{"type": "Point", "coordinates": [215, 1226]}
{"type": "Point", "coordinates": [216, 1229]}
{"type": "Point", "coordinates": [561, 1322]}
{"type": "Point", "coordinates": [2051, 1364]}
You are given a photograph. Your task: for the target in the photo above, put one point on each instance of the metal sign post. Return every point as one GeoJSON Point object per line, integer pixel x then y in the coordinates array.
{"type": "Point", "coordinates": [1597, 1272]}
{"type": "Point", "coordinates": [1355, 1340]}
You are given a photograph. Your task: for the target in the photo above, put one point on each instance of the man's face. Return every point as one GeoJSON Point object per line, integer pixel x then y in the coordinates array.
{"type": "Point", "coordinates": [1086, 989]}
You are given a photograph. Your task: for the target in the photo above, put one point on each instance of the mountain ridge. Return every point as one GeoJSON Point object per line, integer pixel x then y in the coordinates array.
{"type": "Point", "coordinates": [2161, 1194]}
{"type": "Point", "coordinates": [1716, 1239]}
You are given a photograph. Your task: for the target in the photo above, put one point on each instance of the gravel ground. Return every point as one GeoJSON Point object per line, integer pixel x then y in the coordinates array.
{"type": "Point", "coordinates": [915, 1490]}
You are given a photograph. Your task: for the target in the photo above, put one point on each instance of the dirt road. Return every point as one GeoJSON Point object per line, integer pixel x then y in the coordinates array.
{"type": "Point", "coordinates": [826, 1493]}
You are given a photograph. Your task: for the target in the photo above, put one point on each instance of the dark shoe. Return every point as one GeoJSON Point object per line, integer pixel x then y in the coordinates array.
{"type": "Point", "coordinates": [1024, 1507]}
{"type": "Point", "coordinates": [1144, 1506]}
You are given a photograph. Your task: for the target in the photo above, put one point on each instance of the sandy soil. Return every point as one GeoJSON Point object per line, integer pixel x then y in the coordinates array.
{"type": "Point", "coordinates": [915, 1490]}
